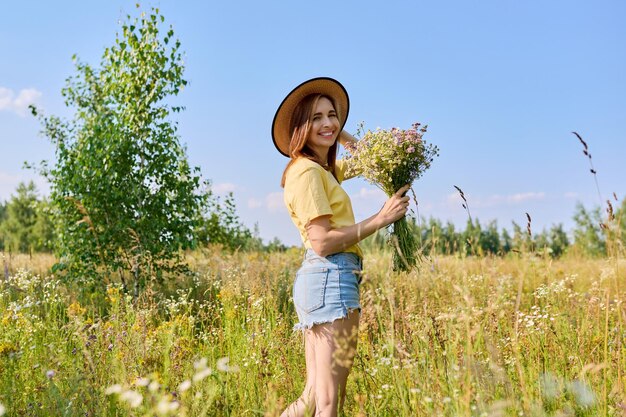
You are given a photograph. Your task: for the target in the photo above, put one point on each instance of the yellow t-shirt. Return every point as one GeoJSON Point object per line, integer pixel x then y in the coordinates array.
{"type": "Point", "coordinates": [311, 192]}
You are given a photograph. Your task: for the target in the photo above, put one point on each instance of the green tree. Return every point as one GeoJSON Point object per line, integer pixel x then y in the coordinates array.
{"type": "Point", "coordinates": [587, 233]}
{"type": "Point", "coordinates": [541, 242]}
{"type": "Point", "coordinates": [44, 235]}
{"type": "Point", "coordinates": [275, 245]}
{"type": "Point", "coordinates": [521, 241]}
{"type": "Point", "coordinates": [490, 238]}
{"type": "Point", "coordinates": [17, 229]}
{"type": "Point", "coordinates": [559, 242]}
{"type": "Point", "coordinates": [222, 226]}
{"type": "Point", "coordinates": [125, 198]}
{"type": "Point", "coordinates": [453, 240]}
{"type": "Point", "coordinates": [432, 237]}
{"type": "Point", "coordinates": [3, 214]}
{"type": "Point", "coordinates": [471, 237]}
{"type": "Point", "coordinates": [507, 242]}
{"type": "Point", "coordinates": [620, 220]}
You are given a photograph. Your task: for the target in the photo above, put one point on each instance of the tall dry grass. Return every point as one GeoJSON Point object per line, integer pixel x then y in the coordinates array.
{"type": "Point", "coordinates": [467, 336]}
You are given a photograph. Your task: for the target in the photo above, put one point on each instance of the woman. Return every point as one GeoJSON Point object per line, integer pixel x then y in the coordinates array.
{"type": "Point", "coordinates": [306, 128]}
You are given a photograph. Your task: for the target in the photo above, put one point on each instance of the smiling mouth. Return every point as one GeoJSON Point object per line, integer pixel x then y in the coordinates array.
{"type": "Point", "coordinates": [327, 134]}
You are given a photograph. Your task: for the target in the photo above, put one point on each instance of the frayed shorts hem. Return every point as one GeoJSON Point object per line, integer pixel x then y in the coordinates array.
{"type": "Point", "coordinates": [308, 326]}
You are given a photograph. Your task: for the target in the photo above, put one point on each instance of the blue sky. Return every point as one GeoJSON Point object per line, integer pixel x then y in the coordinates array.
{"type": "Point", "coordinates": [501, 85]}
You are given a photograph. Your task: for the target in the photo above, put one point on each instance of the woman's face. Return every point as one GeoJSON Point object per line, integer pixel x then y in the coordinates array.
{"type": "Point", "coordinates": [324, 127]}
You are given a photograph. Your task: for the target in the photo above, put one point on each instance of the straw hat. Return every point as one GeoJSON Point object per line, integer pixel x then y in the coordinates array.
{"type": "Point", "coordinates": [321, 85]}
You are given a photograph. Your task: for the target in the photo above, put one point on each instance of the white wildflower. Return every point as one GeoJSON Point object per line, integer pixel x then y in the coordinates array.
{"type": "Point", "coordinates": [583, 394]}
{"type": "Point", "coordinates": [550, 386]}
{"type": "Point", "coordinates": [142, 382]}
{"type": "Point", "coordinates": [113, 389]}
{"type": "Point", "coordinates": [201, 374]}
{"type": "Point", "coordinates": [165, 406]}
{"type": "Point", "coordinates": [184, 386]}
{"type": "Point", "coordinates": [222, 365]}
{"type": "Point", "coordinates": [200, 364]}
{"type": "Point", "coordinates": [133, 398]}
{"type": "Point", "coordinates": [154, 386]}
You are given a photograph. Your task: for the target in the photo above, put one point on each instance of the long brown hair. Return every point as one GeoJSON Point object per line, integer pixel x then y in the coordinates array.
{"type": "Point", "coordinates": [300, 128]}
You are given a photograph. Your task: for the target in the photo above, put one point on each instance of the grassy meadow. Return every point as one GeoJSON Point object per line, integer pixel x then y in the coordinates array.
{"type": "Point", "coordinates": [464, 336]}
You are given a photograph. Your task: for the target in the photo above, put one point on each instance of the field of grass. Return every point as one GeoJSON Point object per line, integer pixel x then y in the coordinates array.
{"type": "Point", "coordinates": [462, 337]}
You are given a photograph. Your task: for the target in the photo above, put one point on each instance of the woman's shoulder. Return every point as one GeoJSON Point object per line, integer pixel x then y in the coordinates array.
{"type": "Point", "coordinates": [301, 165]}
{"type": "Point", "coordinates": [303, 169]}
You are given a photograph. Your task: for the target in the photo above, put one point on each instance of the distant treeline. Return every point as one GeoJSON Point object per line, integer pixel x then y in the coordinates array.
{"type": "Point", "coordinates": [594, 234]}
{"type": "Point", "coordinates": [27, 225]}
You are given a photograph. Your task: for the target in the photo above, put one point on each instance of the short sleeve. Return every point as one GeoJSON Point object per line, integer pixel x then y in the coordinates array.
{"type": "Point", "coordinates": [309, 198]}
{"type": "Point", "coordinates": [341, 165]}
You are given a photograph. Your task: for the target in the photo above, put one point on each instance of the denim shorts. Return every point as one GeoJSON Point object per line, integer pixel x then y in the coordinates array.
{"type": "Point", "coordinates": [326, 289]}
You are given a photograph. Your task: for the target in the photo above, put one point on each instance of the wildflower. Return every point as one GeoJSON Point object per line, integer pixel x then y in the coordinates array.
{"type": "Point", "coordinates": [2, 409]}
{"type": "Point", "coordinates": [165, 406]}
{"type": "Point", "coordinates": [184, 386]}
{"type": "Point", "coordinates": [550, 385]}
{"type": "Point", "coordinates": [133, 398]}
{"type": "Point", "coordinates": [142, 382]}
{"type": "Point", "coordinates": [50, 374]}
{"type": "Point", "coordinates": [201, 374]}
{"type": "Point", "coordinates": [113, 389]}
{"type": "Point", "coordinates": [583, 394]}
{"type": "Point", "coordinates": [113, 294]}
{"type": "Point", "coordinates": [200, 364]}
{"type": "Point", "coordinates": [222, 365]}
{"type": "Point", "coordinates": [75, 310]}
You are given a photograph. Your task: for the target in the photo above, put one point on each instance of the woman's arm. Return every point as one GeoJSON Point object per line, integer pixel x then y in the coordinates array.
{"type": "Point", "coordinates": [326, 240]}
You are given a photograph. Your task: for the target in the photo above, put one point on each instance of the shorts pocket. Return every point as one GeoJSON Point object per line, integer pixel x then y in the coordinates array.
{"type": "Point", "coordinates": [310, 287]}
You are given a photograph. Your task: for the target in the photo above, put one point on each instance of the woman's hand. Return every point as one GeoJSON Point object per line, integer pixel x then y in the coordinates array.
{"type": "Point", "coordinates": [347, 141]}
{"type": "Point", "coordinates": [395, 208]}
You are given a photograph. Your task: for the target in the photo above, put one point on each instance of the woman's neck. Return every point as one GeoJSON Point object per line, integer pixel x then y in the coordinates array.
{"type": "Point", "coordinates": [323, 162]}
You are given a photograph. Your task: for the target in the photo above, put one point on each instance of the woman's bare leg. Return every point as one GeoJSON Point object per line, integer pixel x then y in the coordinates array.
{"type": "Point", "coordinates": [335, 347]}
{"type": "Point", "coordinates": [304, 406]}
